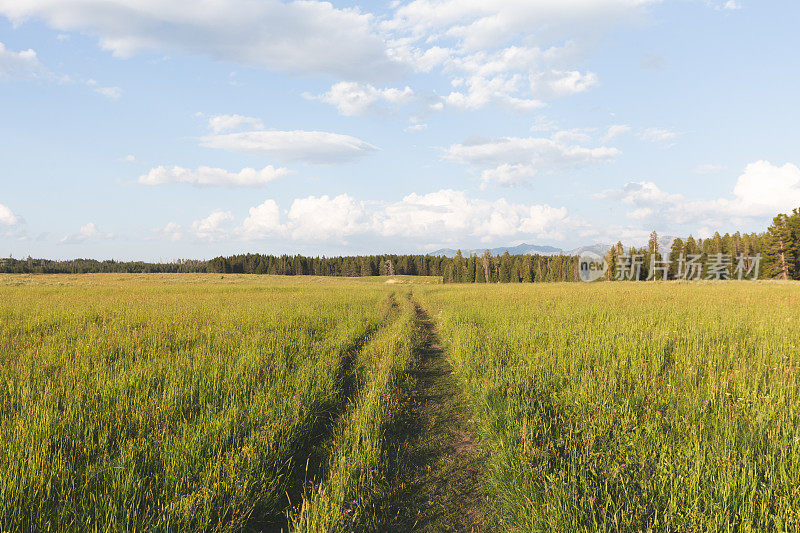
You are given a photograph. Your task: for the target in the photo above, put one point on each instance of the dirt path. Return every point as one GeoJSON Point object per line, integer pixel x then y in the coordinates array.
{"type": "Point", "coordinates": [439, 463]}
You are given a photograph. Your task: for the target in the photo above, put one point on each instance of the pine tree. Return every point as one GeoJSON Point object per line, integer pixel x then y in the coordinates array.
{"type": "Point", "coordinates": [526, 269]}
{"type": "Point", "coordinates": [458, 267]}
{"type": "Point", "coordinates": [794, 229]}
{"type": "Point", "coordinates": [678, 248]}
{"type": "Point", "coordinates": [780, 250]}
{"type": "Point", "coordinates": [504, 275]}
{"type": "Point", "coordinates": [487, 265]}
{"type": "Point", "coordinates": [651, 255]}
{"type": "Point", "coordinates": [469, 274]}
{"type": "Point", "coordinates": [480, 275]}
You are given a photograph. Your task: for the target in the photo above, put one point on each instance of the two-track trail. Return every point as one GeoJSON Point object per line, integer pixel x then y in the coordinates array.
{"type": "Point", "coordinates": [439, 464]}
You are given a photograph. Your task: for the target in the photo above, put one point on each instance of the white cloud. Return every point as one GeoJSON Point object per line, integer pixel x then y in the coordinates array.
{"type": "Point", "coordinates": [479, 24]}
{"type": "Point", "coordinates": [732, 5]}
{"type": "Point", "coordinates": [535, 153]}
{"type": "Point", "coordinates": [263, 221]}
{"type": "Point", "coordinates": [642, 193]}
{"type": "Point", "coordinates": [615, 131]}
{"type": "Point", "coordinates": [88, 232]}
{"type": "Point", "coordinates": [25, 66]}
{"type": "Point", "coordinates": [22, 65]}
{"type": "Point", "coordinates": [247, 177]}
{"type": "Point", "coordinates": [507, 49]}
{"type": "Point", "coordinates": [482, 91]}
{"type": "Point", "coordinates": [659, 135]}
{"type": "Point", "coordinates": [172, 231]}
{"type": "Point", "coordinates": [508, 175]}
{"type": "Point", "coordinates": [214, 226]}
{"type": "Point", "coordinates": [765, 189]}
{"type": "Point", "coordinates": [130, 158]}
{"type": "Point", "coordinates": [442, 216]}
{"type": "Point", "coordinates": [556, 83]}
{"type": "Point", "coordinates": [112, 93]}
{"type": "Point", "coordinates": [708, 169]}
{"type": "Point", "coordinates": [514, 53]}
{"type": "Point", "coordinates": [317, 147]}
{"type": "Point", "coordinates": [353, 99]}
{"type": "Point", "coordinates": [226, 123]}
{"type": "Point", "coordinates": [7, 217]}
{"type": "Point", "coordinates": [320, 218]}
{"type": "Point", "coordinates": [762, 191]}
{"type": "Point", "coordinates": [308, 37]}
{"type": "Point", "coordinates": [449, 215]}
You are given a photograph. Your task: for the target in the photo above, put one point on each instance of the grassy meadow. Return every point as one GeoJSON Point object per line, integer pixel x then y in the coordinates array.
{"type": "Point", "coordinates": [249, 403]}
{"type": "Point", "coordinates": [169, 402]}
{"type": "Point", "coordinates": [635, 406]}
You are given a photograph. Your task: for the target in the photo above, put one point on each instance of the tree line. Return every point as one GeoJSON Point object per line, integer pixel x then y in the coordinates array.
{"type": "Point", "coordinates": [509, 268]}
{"type": "Point", "coordinates": [92, 266]}
{"type": "Point", "coordinates": [348, 266]}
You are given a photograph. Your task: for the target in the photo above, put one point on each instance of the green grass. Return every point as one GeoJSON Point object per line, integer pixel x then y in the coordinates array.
{"type": "Point", "coordinates": [671, 407]}
{"type": "Point", "coordinates": [169, 402]}
{"type": "Point", "coordinates": [350, 497]}
{"type": "Point", "coordinates": [240, 403]}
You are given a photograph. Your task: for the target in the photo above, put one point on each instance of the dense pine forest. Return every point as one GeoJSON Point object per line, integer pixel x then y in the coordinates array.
{"type": "Point", "coordinates": [778, 249]}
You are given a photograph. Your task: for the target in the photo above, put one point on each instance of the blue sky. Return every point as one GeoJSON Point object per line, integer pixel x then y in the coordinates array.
{"type": "Point", "coordinates": [154, 130]}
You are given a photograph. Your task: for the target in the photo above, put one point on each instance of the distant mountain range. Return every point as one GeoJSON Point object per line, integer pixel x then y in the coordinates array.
{"type": "Point", "coordinates": [664, 243]}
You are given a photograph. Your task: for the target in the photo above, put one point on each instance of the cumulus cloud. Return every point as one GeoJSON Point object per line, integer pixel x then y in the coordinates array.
{"type": "Point", "coordinates": [659, 135]}
{"type": "Point", "coordinates": [89, 232]}
{"type": "Point", "coordinates": [761, 191]}
{"type": "Point", "coordinates": [227, 123]}
{"type": "Point", "coordinates": [497, 89]}
{"type": "Point", "coordinates": [507, 49]}
{"type": "Point", "coordinates": [766, 189]}
{"type": "Point", "coordinates": [308, 37]}
{"type": "Point", "coordinates": [447, 215]}
{"type": "Point", "coordinates": [556, 83]}
{"type": "Point", "coordinates": [263, 221]}
{"type": "Point", "coordinates": [316, 147]}
{"type": "Point", "coordinates": [513, 160]}
{"type": "Point", "coordinates": [615, 131]}
{"type": "Point", "coordinates": [247, 177]}
{"type": "Point", "coordinates": [172, 231]}
{"type": "Point", "coordinates": [319, 218]}
{"type": "Point", "coordinates": [508, 175]}
{"type": "Point", "coordinates": [436, 217]}
{"type": "Point", "coordinates": [7, 217]}
{"type": "Point", "coordinates": [22, 65]}
{"type": "Point", "coordinates": [214, 227]}
{"type": "Point", "coordinates": [353, 99]}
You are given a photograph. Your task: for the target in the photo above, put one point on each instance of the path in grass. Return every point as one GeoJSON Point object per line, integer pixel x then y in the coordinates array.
{"type": "Point", "coordinates": [438, 485]}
